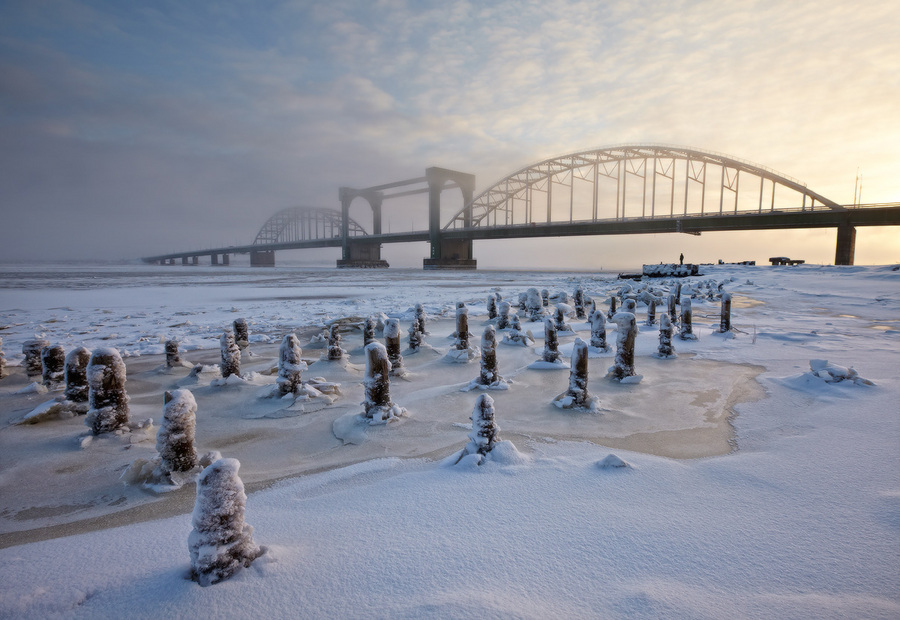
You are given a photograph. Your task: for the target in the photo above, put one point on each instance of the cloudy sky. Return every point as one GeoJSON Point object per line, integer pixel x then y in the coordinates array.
{"type": "Point", "coordinates": [135, 128]}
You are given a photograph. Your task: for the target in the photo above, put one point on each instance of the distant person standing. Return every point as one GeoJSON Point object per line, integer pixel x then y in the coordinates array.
{"type": "Point", "coordinates": [681, 259]}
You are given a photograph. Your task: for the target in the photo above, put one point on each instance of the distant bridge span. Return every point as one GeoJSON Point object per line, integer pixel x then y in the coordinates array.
{"type": "Point", "coordinates": [631, 189]}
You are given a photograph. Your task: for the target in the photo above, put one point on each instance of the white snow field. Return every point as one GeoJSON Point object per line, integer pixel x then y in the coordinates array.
{"type": "Point", "coordinates": [749, 477]}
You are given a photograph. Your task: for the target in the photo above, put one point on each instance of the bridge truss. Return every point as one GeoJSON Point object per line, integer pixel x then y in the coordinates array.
{"type": "Point", "coordinates": [635, 182]}
{"type": "Point", "coordinates": [304, 224]}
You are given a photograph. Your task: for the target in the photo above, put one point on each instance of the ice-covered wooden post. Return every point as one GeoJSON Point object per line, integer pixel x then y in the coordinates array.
{"type": "Point", "coordinates": [369, 331]}
{"type": "Point", "coordinates": [559, 319]}
{"type": "Point", "coordinates": [651, 312]}
{"type": "Point", "coordinates": [534, 305]}
{"type": "Point", "coordinates": [489, 371]}
{"type": "Point", "coordinates": [230, 354]}
{"type": "Point", "coordinates": [484, 433]}
{"type": "Point", "coordinates": [415, 337]}
{"type": "Point", "coordinates": [53, 365]}
{"type": "Point", "coordinates": [725, 318]}
{"type": "Point", "coordinates": [392, 344]}
{"type": "Point", "coordinates": [462, 328]}
{"type": "Point", "coordinates": [290, 365]}
{"type": "Point", "coordinates": [378, 404]}
{"type": "Point", "coordinates": [673, 312]}
{"type": "Point", "coordinates": [241, 333]}
{"type": "Point", "coordinates": [629, 305]}
{"type": "Point", "coordinates": [2, 360]}
{"type": "Point", "coordinates": [175, 438]}
{"type": "Point", "coordinates": [579, 303]}
{"type": "Point", "coordinates": [221, 543]}
{"type": "Point", "coordinates": [687, 329]}
{"type": "Point", "coordinates": [625, 337]}
{"type": "Point", "coordinates": [173, 356]}
{"type": "Point", "coordinates": [577, 396]}
{"type": "Point", "coordinates": [31, 349]}
{"type": "Point", "coordinates": [76, 376]}
{"type": "Point", "coordinates": [503, 317]}
{"type": "Point", "coordinates": [666, 349]}
{"type": "Point", "coordinates": [107, 398]}
{"type": "Point", "coordinates": [492, 306]}
{"type": "Point", "coordinates": [420, 319]}
{"type": "Point", "coordinates": [551, 342]}
{"type": "Point", "coordinates": [545, 298]}
{"type": "Point", "coordinates": [612, 307]}
{"type": "Point", "coordinates": [598, 330]}
{"type": "Point", "coordinates": [335, 352]}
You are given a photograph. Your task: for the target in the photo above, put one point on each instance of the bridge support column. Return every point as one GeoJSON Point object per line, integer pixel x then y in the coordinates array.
{"type": "Point", "coordinates": [846, 244]}
{"type": "Point", "coordinates": [363, 254]}
{"type": "Point", "coordinates": [213, 259]}
{"type": "Point", "coordinates": [265, 258]}
{"type": "Point", "coordinates": [226, 259]}
{"type": "Point", "coordinates": [195, 260]}
{"type": "Point", "coordinates": [448, 253]}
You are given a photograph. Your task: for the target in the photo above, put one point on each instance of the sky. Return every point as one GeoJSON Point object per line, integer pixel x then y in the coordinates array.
{"type": "Point", "coordinates": [129, 129]}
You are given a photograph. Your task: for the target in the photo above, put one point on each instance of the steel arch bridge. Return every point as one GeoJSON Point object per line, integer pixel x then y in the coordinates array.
{"type": "Point", "coordinates": [304, 224]}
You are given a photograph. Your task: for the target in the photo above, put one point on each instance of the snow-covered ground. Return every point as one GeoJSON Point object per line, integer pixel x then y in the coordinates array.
{"type": "Point", "coordinates": [755, 489]}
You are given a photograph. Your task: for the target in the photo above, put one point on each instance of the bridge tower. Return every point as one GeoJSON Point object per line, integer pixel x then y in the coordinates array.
{"type": "Point", "coordinates": [357, 252]}
{"type": "Point", "coordinates": [448, 253]}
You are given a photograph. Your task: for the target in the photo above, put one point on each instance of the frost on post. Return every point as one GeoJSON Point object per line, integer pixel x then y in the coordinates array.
{"type": "Point", "coordinates": [651, 312]}
{"type": "Point", "coordinates": [231, 356]}
{"type": "Point", "coordinates": [76, 378]}
{"type": "Point", "coordinates": [107, 398]}
{"type": "Point", "coordinates": [378, 405]}
{"type": "Point", "coordinates": [31, 349]}
{"type": "Point", "coordinates": [579, 303]}
{"type": "Point", "coordinates": [462, 328]}
{"type": "Point", "coordinates": [392, 345]}
{"type": "Point", "coordinates": [53, 364]}
{"type": "Point", "coordinates": [687, 328]}
{"type": "Point", "coordinates": [173, 356]}
{"type": "Point", "coordinates": [629, 304]}
{"type": "Point", "coordinates": [220, 543]}
{"type": "Point", "coordinates": [420, 319]}
{"type": "Point", "coordinates": [559, 319]}
{"type": "Point", "coordinates": [484, 432]}
{"type": "Point", "coordinates": [515, 335]}
{"type": "Point", "coordinates": [627, 332]}
{"type": "Point", "coordinates": [666, 349]}
{"type": "Point", "coordinates": [577, 396]}
{"type": "Point", "coordinates": [369, 331]}
{"type": "Point", "coordinates": [534, 305]}
{"type": "Point", "coordinates": [2, 360]}
{"type": "Point", "coordinates": [503, 316]}
{"type": "Point", "coordinates": [612, 307]}
{"type": "Point", "coordinates": [725, 319]}
{"type": "Point", "coordinates": [175, 438]}
{"type": "Point", "coordinates": [241, 333]}
{"type": "Point", "coordinates": [490, 374]}
{"type": "Point", "coordinates": [545, 298]}
{"type": "Point", "coordinates": [551, 342]}
{"type": "Point", "coordinates": [415, 338]}
{"type": "Point", "coordinates": [598, 331]}
{"type": "Point", "coordinates": [290, 366]}
{"type": "Point", "coordinates": [492, 306]}
{"type": "Point", "coordinates": [335, 352]}
{"type": "Point", "coordinates": [673, 312]}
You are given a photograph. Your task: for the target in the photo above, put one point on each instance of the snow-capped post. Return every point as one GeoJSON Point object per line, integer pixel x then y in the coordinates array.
{"type": "Point", "coordinates": [2, 360]}
{"type": "Point", "coordinates": [687, 329]}
{"type": "Point", "coordinates": [725, 319]}
{"type": "Point", "coordinates": [666, 349]}
{"type": "Point", "coordinates": [173, 356]}
{"type": "Point", "coordinates": [378, 405]}
{"type": "Point", "coordinates": [489, 372]}
{"type": "Point", "coordinates": [651, 312]}
{"type": "Point", "coordinates": [629, 304]}
{"type": "Point", "coordinates": [577, 396]}
{"type": "Point", "coordinates": [579, 303]}
{"type": "Point", "coordinates": [220, 543]}
{"type": "Point", "coordinates": [53, 365]}
{"type": "Point", "coordinates": [175, 438]}
{"type": "Point", "coordinates": [523, 301]}
{"type": "Point", "coordinates": [545, 298]}
{"type": "Point", "coordinates": [534, 305]}
{"type": "Point", "coordinates": [503, 317]}
{"type": "Point", "coordinates": [484, 432]}
{"type": "Point", "coordinates": [492, 306]}
{"type": "Point", "coordinates": [678, 292]}
{"type": "Point", "coordinates": [241, 333]}
{"type": "Point", "coordinates": [462, 327]}
{"type": "Point", "coordinates": [551, 341]}
{"type": "Point", "coordinates": [415, 338]}
{"type": "Point", "coordinates": [335, 352]}
{"type": "Point", "coordinates": [673, 313]}
{"type": "Point", "coordinates": [626, 334]}
{"type": "Point", "coordinates": [612, 307]}
{"type": "Point", "coordinates": [598, 330]}
{"type": "Point", "coordinates": [392, 344]}
{"type": "Point", "coordinates": [107, 398]}
{"type": "Point", "coordinates": [76, 376]}
{"type": "Point", "coordinates": [231, 355]}
{"type": "Point", "coordinates": [420, 319]}
{"type": "Point", "coordinates": [290, 365]}
{"type": "Point", "coordinates": [369, 331]}
{"type": "Point", "coordinates": [31, 349]}
{"type": "Point", "coordinates": [559, 320]}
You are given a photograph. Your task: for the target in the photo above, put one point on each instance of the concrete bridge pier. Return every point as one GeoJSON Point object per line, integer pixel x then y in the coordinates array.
{"type": "Point", "coordinates": [448, 253]}
{"type": "Point", "coordinates": [213, 259]}
{"type": "Point", "coordinates": [195, 260]}
{"type": "Point", "coordinates": [265, 258]}
{"type": "Point", "coordinates": [362, 254]}
{"type": "Point", "coordinates": [184, 260]}
{"type": "Point", "coordinates": [846, 244]}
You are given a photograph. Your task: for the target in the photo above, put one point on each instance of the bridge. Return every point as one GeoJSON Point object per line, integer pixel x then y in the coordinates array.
{"type": "Point", "coordinates": [630, 189]}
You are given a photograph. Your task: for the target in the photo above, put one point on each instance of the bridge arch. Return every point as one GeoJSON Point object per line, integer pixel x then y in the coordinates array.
{"type": "Point", "coordinates": [304, 224]}
{"type": "Point", "coordinates": [650, 181]}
